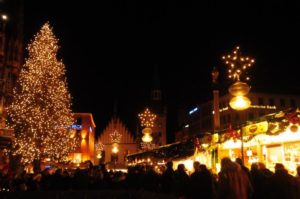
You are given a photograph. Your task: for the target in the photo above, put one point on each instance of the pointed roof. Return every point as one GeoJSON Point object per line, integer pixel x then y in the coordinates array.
{"type": "Point", "coordinates": [116, 125]}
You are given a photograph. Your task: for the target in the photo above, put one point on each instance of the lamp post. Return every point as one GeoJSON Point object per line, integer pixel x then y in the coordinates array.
{"type": "Point", "coordinates": [237, 66]}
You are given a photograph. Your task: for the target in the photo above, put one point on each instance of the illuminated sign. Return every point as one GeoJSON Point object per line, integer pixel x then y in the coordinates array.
{"type": "Point", "coordinates": [255, 129]}
{"type": "Point", "coordinates": [193, 110]}
{"type": "Point", "coordinates": [76, 126]}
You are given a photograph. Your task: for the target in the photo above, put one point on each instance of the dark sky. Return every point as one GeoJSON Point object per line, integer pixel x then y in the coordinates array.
{"type": "Point", "coordinates": [110, 49]}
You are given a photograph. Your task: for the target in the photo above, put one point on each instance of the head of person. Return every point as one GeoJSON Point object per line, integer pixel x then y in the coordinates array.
{"type": "Point", "coordinates": [261, 166]}
{"type": "Point", "coordinates": [169, 165]}
{"type": "Point", "coordinates": [196, 166]}
{"type": "Point", "coordinates": [239, 161]}
{"type": "Point", "coordinates": [279, 167]}
{"type": "Point", "coordinates": [298, 170]}
{"type": "Point", "coordinates": [228, 165]}
{"type": "Point", "coordinates": [181, 167]}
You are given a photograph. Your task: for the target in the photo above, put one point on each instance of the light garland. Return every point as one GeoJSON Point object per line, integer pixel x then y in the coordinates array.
{"type": "Point", "coordinates": [41, 106]}
{"type": "Point", "coordinates": [237, 64]}
{"type": "Point", "coordinates": [99, 147]}
{"type": "Point", "coordinates": [147, 118]}
{"type": "Point", "coordinates": [115, 137]}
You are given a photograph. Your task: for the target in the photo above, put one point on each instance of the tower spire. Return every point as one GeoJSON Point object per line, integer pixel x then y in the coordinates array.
{"type": "Point", "coordinates": [156, 91]}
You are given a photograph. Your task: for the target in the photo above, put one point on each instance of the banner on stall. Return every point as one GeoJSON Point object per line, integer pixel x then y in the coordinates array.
{"type": "Point", "coordinates": [255, 129]}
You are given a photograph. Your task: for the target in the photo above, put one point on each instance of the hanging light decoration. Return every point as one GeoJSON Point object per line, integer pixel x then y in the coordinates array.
{"type": "Point", "coordinates": [115, 148]}
{"type": "Point", "coordinates": [147, 138]}
{"type": "Point", "coordinates": [115, 137]}
{"type": "Point", "coordinates": [147, 120]}
{"type": "Point", "coordinates": [237, 68]}
{"type": "Point", "coordinates": [240, 103]}
{"type": "Point", "coordinates": [99, 147]}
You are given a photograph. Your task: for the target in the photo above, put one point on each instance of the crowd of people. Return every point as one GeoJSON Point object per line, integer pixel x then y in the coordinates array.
{"type": "Point", "coordinates": [234, 181]}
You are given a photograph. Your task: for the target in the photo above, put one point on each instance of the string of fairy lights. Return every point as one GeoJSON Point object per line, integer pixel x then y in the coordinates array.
{"type": "Point", "coordinates": [99, 147]}
{"type": "Point", "coordinates": [237, 64]}
{"type": "Point", "coordinates": [115, 137]}
{"type": "Point", "coordinates": [147, 118]}
{"type": "Point", "coordinates": [41, 108]}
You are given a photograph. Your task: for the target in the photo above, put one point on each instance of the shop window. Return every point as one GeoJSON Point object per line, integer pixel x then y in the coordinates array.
{"type": "Point", "coordinates": [282, 102]}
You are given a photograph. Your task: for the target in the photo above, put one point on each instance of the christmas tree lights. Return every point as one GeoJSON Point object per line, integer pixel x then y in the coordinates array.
{"type": "Point", "coordinates": [40, 113]}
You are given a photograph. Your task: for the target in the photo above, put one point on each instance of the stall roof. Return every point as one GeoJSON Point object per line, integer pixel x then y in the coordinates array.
{"type": "Point", "coordinates": [167, 152]}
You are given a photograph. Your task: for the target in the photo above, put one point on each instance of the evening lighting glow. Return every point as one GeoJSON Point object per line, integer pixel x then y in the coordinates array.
{"type": "Point", "coordinates": [42, 103]}
{"type": "Point", "coordinates": [237, 64]}
{"type": "Point", "coordinates": [147, 118]}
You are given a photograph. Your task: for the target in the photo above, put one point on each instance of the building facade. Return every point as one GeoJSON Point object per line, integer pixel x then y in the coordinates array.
{"type": "Point", "coordinates": [11, 51]}
{"type": "Point", "coordinates": [117, 143]}
{"type": "Point", "coordinates": [11, 60]}
{"type": "Point", "coordinates": [200, 118]}
{"type": "Point", "coordinates": [84, 131]}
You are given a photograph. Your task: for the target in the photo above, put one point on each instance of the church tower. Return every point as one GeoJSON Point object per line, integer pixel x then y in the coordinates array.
{"type": "Point", "coordinates": [157, 107]}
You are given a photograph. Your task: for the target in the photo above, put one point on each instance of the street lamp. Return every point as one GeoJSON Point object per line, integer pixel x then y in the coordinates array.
{"type": "Point", "coordinates": [237, 66]}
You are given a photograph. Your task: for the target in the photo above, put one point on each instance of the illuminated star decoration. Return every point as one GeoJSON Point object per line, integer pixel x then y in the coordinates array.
{"type": "Point", "coordinates": [99, 147]}
{"type": "Point", "coordinates": [115, 137]}
{"type": "Point", "coordinates": [147, 118]}
{"type": "Point", "coordinates": [237, 64]}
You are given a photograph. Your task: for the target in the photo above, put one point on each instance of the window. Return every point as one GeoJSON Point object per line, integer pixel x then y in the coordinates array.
{"type": "Point", "coordinates": [282, 102]}
{"type": "Point", "coordinates": [223, 119]}
{"type": "Point", "coordinates": [79, 121]}
{"type": "Point", "coordinates": [271, 102]}
{"type": "Point", "coordinates": [250, 116]}
{"type": "Point", "coordinates": [126, 152]}
{"type": "Point", "coordinates": [237, 118]}
{"type": "Point", "coordinates": [103, 157]}
{"type": "Point", "coordinates": [293, 103]}
{"type": "Point", "coordinates": [260, 101]}
{"type": "Point", "coordinates": [228, 118]}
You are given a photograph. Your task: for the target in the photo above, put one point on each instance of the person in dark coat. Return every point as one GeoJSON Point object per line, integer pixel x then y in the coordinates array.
{"type": "Point", "coordinates": [259, 182]}
{"type": "Point", "coordinates": [282, 184]}
{"type": "Point", "coordinates": [233, 181]}
{"type": "Point", "coordinates": [201, 182]}
{"type": "Point", "coordinates": [181, 181]}
{"type": "Point", "coordinates": [167, 179]}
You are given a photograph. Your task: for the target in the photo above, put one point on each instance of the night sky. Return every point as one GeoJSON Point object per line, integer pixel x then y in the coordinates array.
{"type": "Point", "coordinates": [111, 49]}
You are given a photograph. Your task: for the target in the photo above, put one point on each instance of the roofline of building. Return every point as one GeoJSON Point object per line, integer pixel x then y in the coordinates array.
{"type": "Point", "coordinates": [87, 114]}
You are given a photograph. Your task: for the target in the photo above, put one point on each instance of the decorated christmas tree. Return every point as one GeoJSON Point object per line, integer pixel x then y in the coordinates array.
{"type": "Point", "coordinates": [40, 113]}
